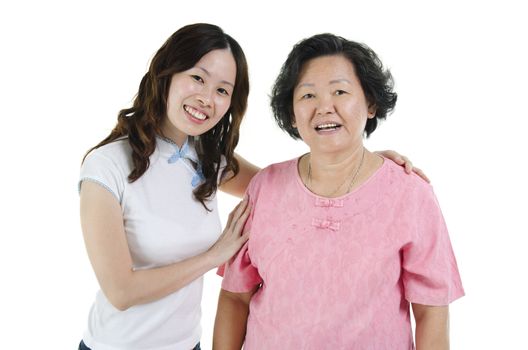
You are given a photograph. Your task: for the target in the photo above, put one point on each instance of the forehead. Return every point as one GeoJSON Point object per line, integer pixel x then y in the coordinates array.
{"type": "Point", "coordinates": [327, 68]}
{"type": "Point", "coordinates": [219, 64]}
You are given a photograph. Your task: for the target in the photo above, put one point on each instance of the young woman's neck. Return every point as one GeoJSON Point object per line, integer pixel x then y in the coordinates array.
{"type": "Point", "coordinates": [173, 134]}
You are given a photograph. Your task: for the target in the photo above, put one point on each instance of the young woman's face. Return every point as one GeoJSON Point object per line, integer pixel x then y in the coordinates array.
{"type": "Point", "coordinates": [329, 105]}
{"type": "Point", "coordinates": [199, 97]}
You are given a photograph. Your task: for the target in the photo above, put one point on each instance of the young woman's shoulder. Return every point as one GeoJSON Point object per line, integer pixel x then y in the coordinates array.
{"type": "Point", "coordinates": [109, 166]}
{"type": "Point", "coordinates": [118, 151]}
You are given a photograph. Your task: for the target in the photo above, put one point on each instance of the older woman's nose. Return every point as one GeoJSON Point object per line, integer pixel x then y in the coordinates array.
{"type": "Point", "coordinates": [325, 106]}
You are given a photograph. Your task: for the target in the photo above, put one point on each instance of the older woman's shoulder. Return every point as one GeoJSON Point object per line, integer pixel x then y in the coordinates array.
{"type": "Point", "coordinates": [396, 176]}
{"type": "Point", "coordinates": [281, 168]}
{"type": "Point", "coordinates": [276, 174]}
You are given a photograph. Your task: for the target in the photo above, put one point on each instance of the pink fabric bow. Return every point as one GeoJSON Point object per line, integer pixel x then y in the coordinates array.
{"type": "Point", "coordinates": [325, 223]}
{"type": "Point", "coordinates": [327, 202]}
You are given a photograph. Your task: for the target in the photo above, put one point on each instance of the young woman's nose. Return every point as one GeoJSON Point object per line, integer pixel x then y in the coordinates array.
{"type": "Point", "coordinates": [205, 96]}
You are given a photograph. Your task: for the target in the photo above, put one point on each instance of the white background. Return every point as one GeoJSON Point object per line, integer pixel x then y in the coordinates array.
{"type": "Point", "coordinates": [66, 68]}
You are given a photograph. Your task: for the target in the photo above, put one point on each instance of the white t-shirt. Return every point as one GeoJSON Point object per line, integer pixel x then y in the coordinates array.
{"type": "Point", "coordinates": [163, 224]}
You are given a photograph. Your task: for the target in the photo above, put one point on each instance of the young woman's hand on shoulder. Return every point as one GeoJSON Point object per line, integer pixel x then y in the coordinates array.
{"type": "Point", "coordinates": [232, 239]}
{"type": "Point", "coordinates": [404, 162]}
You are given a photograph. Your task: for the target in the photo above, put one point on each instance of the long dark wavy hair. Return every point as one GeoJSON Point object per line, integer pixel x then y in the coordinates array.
{"type": "Point", "coordinates": [375, 79]}
{"type": "Point", "coordinates": [142, 122]}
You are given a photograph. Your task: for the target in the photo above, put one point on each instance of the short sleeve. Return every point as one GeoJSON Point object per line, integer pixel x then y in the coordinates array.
{"type": "Point", "coordinates": [240, 275]}
{"type": "Point", "coordinates": [101, 169]}
{"type": "Point", "coordinates": [430, 273]}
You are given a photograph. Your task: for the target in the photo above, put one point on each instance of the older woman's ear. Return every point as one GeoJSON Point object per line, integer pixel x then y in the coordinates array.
{"type": "Point", "coordinates": [372, 111]}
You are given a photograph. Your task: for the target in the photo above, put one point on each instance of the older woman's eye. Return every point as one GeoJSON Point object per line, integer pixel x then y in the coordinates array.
{"type": "Point", "coordinates": [307, 96]}
{"type": "Point", "coordinates": [340, 92]}
{"type": "Point", "coordinates": [197, 78]}
{"type": "Point", "coordinates": [223, 91]}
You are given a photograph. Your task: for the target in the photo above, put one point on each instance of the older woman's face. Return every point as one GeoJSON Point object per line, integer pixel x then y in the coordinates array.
{"type": "Point", "coordinates": [329, 105]}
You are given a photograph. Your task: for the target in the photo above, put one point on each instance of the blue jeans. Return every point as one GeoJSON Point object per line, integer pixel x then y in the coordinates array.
{"type": "Point", "coordinates": [83, 346]}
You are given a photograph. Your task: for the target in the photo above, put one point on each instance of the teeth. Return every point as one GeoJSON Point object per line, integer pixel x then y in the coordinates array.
{"type": "Point", "coordinates": [327, 126]}
{"type": "Point", "coordinates": [195, 113]}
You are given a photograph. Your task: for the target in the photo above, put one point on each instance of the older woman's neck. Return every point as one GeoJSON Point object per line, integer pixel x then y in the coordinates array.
{"type": "Point", "coordinates": [329, 165]}
{"type": "Point", "coordinates": [335, 175]}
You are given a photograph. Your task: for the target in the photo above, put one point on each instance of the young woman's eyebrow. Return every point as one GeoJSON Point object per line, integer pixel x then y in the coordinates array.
{"type": "Point", "coordinates": [209, 74]}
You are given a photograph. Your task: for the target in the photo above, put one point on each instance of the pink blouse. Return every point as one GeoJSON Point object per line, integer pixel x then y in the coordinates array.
{"type": "Point", "coordinates": [339, 273]}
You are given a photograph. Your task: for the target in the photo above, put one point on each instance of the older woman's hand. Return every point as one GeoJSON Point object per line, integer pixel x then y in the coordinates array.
{"type": "Point", "coordinates": [403, 161]}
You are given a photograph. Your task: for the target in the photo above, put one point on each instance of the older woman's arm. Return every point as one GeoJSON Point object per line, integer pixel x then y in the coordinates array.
{"type": "Point", "coordinates": [231, 319]}
{"type": "Point", "coordinates": [432, 327]}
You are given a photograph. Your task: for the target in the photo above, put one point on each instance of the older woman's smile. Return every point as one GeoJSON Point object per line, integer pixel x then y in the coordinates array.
{"type": "Point", "coordinates": [327, 127]}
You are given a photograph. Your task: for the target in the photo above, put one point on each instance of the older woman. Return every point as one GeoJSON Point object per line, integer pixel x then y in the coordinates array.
{"type": "Point", "coordinates": [342, 241]}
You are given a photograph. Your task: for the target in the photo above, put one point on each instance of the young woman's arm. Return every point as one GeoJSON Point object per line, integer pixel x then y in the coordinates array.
{"type": "Point", "coordinates": [106, 244]}
{"type": "Point", "coordinates": [237, 185]}
{"type": "Point", "coordinates": [432, 327]}
{"type": "Point", "coordinates": [231, 319]}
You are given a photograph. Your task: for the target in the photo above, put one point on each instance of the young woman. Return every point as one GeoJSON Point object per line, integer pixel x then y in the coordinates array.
{"type": "Point", "coordinates": [342, 241]}
{"type": "Point", "coordinates": [148, 207]}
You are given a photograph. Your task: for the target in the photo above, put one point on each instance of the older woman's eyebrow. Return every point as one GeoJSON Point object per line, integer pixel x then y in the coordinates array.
{"type": "Point", "coordinates": [343, 80]}
{"type": "Point", "coordinates": [304, 85]}
{"type": "Point", "coordinates": [334, 81]}
{"type": "Point", "coordinates": [209, 74]}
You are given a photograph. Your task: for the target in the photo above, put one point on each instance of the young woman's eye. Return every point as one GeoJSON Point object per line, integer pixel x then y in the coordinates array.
{"type": "Point", "coordinates": [340, 92]}
{"type": "Point", "coordinates": [223, 91]}
{"type": "Point", "coordinates": [197, 78]}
